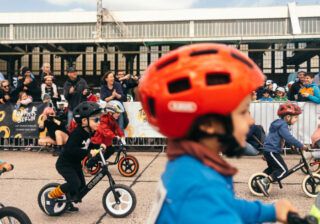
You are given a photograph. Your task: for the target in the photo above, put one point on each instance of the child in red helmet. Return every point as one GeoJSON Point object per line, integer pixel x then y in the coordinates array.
{"type": "Point", "coordinates": [279, 129]}
{"type": "Point", "coordinates": [187, 96]}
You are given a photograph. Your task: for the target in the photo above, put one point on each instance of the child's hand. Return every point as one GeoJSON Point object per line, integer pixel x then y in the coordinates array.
{"type": "Point", "coordinates": [304, 148]}
{"type": "Point", "coordinates": [94, 152]}
{"type": "Point", "coordinates": [103, 146]}
{"type": "Point", "coordinates": [283, 206]}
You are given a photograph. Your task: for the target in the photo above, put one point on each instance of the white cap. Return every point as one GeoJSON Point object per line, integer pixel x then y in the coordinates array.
{"type": "Point", "coordinates": [281, 89]}
{"type": "Point", "coordinates": [268, 82]}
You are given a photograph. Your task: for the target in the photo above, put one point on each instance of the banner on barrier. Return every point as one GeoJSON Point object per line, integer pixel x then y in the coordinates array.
{"type": "Point", "coordinates": [138, 124]}
{"type": "Point", "coordinates": [21, 122]}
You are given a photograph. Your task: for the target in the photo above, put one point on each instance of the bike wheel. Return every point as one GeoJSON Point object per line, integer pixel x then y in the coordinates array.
{"type": "Point", "coordinates": [314, 168]}
{"type": "Point", "coordinates": [127, 199]}
{"type": "Point", "coordinates": [128, 166]}
{"type": "Point", "coordinates": [13, 215]}
{"type": "Point", "coordinates": [60, 207]}
{"type": "Point", "coordinates": [92, 170]}
{"type": "Point", "coordinates": [309, 187]}
{"type": "Point", "coordinates": [252, 184]}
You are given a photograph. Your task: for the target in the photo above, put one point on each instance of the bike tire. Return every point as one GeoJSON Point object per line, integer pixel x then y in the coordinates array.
{"type": "Point", "coordinates": [309, 189]}
{"type": "Point", "coordinates": [61, 208]}
{"type": "Point", "coordinates": [17, 214]}
{"type": "Point", "coordinates": [93, 170]}
{"type": "Point", "coordinates": [128, 166]}
{"type": "Point", "coordinates": [254, 189]}
{"type": "Point", "coordinates": [127, 197]}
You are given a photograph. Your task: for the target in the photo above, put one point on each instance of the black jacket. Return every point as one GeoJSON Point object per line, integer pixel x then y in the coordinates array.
{"type": "Point", "coordinates": [76, 97]}
{"type": "Point", "coordinates": [294, 90]}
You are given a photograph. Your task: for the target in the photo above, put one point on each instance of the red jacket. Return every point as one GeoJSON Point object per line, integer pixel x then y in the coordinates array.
{"type": "Point", "coordinates": [107, 130]}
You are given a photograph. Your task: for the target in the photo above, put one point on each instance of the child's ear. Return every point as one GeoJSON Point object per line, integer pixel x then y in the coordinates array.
{"type": "Point", "coordinates": [84, 121]}
{"type": "Point", "coordinates": [209, 129]}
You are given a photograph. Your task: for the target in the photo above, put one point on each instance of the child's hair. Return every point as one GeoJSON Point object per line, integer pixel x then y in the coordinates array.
{"type": "Point", "coordinates": [21, 94]}
{"type": "Point", "coordinates": [265, 91]}
{"type": "Point", "coordinates": [311, 75]}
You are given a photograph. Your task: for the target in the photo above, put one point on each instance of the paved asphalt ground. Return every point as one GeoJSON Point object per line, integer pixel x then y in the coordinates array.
{"type": "Point", "coordinates": [33, 170]}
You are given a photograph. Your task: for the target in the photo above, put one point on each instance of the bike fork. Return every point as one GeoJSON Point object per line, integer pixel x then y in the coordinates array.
{"type": "Point", "coordinates": [115, 194]}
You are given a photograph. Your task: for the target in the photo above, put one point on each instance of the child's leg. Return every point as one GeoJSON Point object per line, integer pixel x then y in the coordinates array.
{"type": "Point", "coordinates": [109, 152]}
{"type": "Point", "coordinates": [276, 162]}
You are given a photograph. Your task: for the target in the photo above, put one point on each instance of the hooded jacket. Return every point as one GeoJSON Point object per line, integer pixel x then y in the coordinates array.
{"type": "Point", "coordinates": [314, 93]}
{"type": "Point", "coordinates": [279, 129]}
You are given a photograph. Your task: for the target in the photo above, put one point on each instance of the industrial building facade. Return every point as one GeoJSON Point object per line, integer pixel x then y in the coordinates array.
{"type": "Point", "coordinates": [279, 39]}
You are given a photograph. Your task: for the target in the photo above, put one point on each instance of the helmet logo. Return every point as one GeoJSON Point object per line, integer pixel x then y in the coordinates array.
{"type": "Point", "coordinates": [179, 106]}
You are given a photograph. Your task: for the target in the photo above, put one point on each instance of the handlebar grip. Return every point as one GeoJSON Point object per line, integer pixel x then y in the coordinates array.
{"type": "Point", "coordinates": [294, 218]}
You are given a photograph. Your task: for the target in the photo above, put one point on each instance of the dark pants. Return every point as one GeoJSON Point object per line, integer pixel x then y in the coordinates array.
{"type": "Point", "coordinates": [74, 177]}
{"type": "Point", "coordinates": [109, 152]}
{"type": "Point", "coordinates": [277, 168]}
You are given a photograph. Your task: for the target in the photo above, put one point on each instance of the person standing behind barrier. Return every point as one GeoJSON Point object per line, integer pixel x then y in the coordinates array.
{"type": "Point", "coordinates": [29, 85]}
{"type": "Point", "coordinates": [23, 100]}
{"type": "Point", "coordinates": [265, 96]}
{"type": "Point", "coordinates": [58, 135]}
{"type": "Point", "coordinates": [281, 95]}
{"type": "Point", "coordinates": [112, 90]}
{"type": "Point", "coordinates": [186, 96]}
{"type": "Point", "coordinates": [5, 93]}
{"type": "Point", "coordinates": [48, 87]}
{"type": "Point", "coordinates": [75, 91]}
{"type": "Point", "coordinates": [294, 90]}
{"type": "Point", "coordinates": [309, 91]}
{"type": "Point", "coordinates": [46, 72]}
{"type": "Point", "coordinates": [126, 83]}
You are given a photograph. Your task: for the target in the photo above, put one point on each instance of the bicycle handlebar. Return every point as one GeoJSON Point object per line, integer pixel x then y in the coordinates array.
{"type": "Point", "coordinates": [294, 218]}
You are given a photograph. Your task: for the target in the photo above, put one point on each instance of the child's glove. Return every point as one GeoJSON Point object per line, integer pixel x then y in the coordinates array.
{"type": "Point", "coordinates": [94, 152]}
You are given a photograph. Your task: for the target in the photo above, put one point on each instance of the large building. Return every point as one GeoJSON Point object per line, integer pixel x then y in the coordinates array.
{"type": "Point", "coordinates": [279, 39]}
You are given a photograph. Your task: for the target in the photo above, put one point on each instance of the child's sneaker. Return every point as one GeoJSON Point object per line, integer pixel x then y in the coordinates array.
{"type": "Point", "coordinates": [49, 204]}
{"type": "Point", "coordinates": [263, 184]}
{"type": "Point", "coordinates": [72, 208]}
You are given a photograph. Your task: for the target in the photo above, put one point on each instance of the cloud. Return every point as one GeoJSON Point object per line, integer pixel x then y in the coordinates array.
{"type": "Point", "coordinates": [77, 10]}
{"type": "Point", "coordinates": [129, 4]}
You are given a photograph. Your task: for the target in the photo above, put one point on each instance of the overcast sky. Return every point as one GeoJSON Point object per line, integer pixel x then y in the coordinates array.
{"type": "Point", "coordinates": [90, 5]}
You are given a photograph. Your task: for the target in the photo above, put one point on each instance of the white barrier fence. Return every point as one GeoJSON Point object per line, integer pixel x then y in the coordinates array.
{"type": "Point", "coordinates": [263, 113]}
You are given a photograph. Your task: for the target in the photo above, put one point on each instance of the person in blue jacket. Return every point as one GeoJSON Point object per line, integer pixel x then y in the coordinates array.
{"type": "Point", "coordinates": [309, 91]}
{"type": "Point", "coordinates": [186, 96]}
{"type": "Point", "coordinates": [279, 129]}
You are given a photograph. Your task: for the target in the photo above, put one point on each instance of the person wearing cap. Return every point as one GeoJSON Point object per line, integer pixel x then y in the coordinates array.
{"type": "Point", "coordinates": [294, 90]}
{"type": "Point", "coordinates": [270, 87]}
{"type": "Point", "coordinates": [29, 85]}
{"type": "Point", "coordinates": [280, 94]}
{"type": "Point", "coordinates": [75, 91]}
{"type": "Point", "coordinates": [48, 87]}
{"type": "Point", "coordinates": [309, 91]}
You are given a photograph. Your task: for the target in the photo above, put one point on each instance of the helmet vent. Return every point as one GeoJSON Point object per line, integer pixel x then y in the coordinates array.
{"type": "Point", "coordinates": [236, 56]}
{"type": "Point", "coordinates": [179, 85]}
{"type": "Point", "coordinates": [167, 62]}
{"type": "Point", "coordinates": [217, 79]}
{"type": "Point", "coordinates": [151, 107]}
{"type": "Point", "coordinates": [210, 51]}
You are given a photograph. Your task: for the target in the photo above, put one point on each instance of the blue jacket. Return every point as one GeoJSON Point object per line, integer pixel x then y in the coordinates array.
{"type": "Point", "coordinates": [279, 129]}
{"type": "Point", "coordinates": [314, 93]}
{"type": "Point", "coordinates": [198, 194]}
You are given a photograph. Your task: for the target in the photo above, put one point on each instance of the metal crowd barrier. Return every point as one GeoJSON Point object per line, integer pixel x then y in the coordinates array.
{"type": "Point", "coordinates": [133, 144]}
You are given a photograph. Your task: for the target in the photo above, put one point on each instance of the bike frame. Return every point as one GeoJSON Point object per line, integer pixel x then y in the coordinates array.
{"type": "Point", "coordinates": [96, 179]}
{"type": "Point", "coordinates": [296, 168]}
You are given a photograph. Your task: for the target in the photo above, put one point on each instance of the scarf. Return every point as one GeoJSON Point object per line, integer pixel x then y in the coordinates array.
{"type": "Point", "coordinates": [208, 157]}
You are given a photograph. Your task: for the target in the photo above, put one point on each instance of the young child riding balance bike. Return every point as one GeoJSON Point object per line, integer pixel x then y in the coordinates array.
{"type": "Point", "coordinates": [279, 129]}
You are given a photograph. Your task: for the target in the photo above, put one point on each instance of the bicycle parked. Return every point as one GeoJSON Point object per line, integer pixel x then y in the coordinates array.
{"type": "Point", "coordinates": [310, 183]}
{"type": "Point", "coordinates": [128, 165]}
{"type": "Point", "coordinates": [118, 200]}
{"type": "Point", "coordinates": [12, 215]}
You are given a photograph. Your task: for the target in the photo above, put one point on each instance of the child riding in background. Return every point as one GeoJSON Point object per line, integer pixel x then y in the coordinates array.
{"type": "Point", "coordinates": [279, 129]}
{"type": "Point", "coordinates": [78, 146]}
{"type": "Point", "coordinates": [107, 131]}
{"type": "Point", "coordinates": [186, 96]}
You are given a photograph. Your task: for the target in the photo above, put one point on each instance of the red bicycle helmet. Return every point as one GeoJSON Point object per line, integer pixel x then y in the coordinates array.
{"type": "Point", "coordinates": [289, 108]}
{"type": "Point", "coordinates": [195, 80]}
